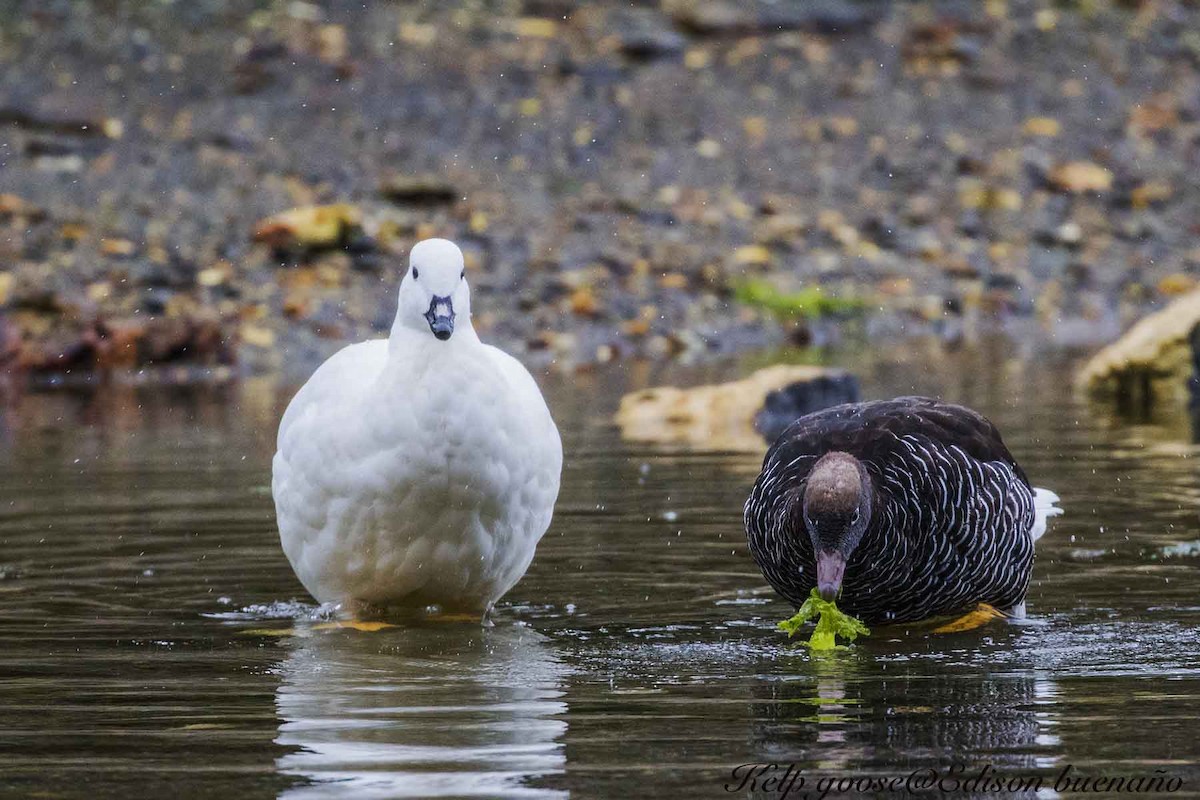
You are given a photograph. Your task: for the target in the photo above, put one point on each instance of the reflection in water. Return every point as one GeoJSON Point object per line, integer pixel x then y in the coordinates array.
{"type": "Point", "coordinates": [842, 716]}
{"type": "Point", "coordinates": [423, 712]}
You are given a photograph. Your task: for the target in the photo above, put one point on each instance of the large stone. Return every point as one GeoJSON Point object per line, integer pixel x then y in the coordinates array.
{"type": "Point", "coordinates": [1153, 359]}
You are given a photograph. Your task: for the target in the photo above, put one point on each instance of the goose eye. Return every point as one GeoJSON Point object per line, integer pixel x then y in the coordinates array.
{"type": "Point", "coordinates": [416, 274]}
{"type": "Point", "coordinates": [462, 275]}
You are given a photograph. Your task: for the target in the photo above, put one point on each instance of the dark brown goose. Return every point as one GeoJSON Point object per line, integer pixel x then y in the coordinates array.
{"type": "Point", "coordinates": [907, 508]}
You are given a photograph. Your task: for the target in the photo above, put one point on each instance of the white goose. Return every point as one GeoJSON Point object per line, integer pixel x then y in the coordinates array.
{"type": "Point", "coordinates": [421, 469]}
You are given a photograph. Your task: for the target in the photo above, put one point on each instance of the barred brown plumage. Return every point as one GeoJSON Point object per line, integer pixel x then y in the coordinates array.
{"type": "Point", "coordinates": [944, 520]}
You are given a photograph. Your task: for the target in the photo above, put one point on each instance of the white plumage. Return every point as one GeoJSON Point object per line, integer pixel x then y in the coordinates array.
{"type": "Point", "coordinates": [421, 469]}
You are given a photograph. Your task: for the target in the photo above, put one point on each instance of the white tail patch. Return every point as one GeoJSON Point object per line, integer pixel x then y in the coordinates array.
{"type": "Point", "coordinates": [1043, 509]}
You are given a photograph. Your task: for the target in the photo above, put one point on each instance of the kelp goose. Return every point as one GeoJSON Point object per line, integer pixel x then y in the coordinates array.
{"type": "Point", "coordinates": [909, 508]}
{"type": "Point", "coordinates": [421, 469]}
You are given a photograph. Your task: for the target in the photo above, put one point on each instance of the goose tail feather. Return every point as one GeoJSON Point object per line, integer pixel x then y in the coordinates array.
{"type": "Point", "coordinates": [1043, 508]}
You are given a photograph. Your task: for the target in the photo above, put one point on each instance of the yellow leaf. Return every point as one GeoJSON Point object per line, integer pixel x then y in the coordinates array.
{"type": "Point", "coordinates": [697, 58]}
{"type": "Point", "coordinates": [1079, 177]}
{"type": "Point", "coordinates": [1148, 194]}
{"type": "Point", "coordinates": [1042, 126]}
{"type": "Point", "coordinates": [536, 27]}
{"type": "Point", "coordinates": [258, 336]}
{"type": "Point", "coordinates": [752, 254]}
{"type": "Point", "coordinates": [421, 35]}
{"type": "Point", "coordinates": [755, 128]}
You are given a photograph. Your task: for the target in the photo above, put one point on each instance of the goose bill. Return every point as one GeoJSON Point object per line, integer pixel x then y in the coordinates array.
{"type": "Point", "coordinates": [440, 317]}
{"type": "Point", "coordinates": [830, 568]}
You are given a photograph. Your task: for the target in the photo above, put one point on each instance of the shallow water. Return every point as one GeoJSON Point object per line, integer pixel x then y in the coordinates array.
{"type": "Point", "coordinates": [155, 640]}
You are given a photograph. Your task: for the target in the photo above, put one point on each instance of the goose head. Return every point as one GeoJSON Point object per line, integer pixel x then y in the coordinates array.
{"type": "Point", "coordinates": [837, 510]}
{"type": "Point", "coordinates": [434, 297]}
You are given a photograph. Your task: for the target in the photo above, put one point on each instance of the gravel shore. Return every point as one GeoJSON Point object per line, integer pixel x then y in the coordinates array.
{"type": "Point", "coordinates": [627, 180]}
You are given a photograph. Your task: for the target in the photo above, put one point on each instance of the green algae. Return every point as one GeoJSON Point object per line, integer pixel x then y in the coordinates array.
{"type": "Point", "coordinates": [808, 303]}
{"type": "Point", "coordinates": [832, 623]}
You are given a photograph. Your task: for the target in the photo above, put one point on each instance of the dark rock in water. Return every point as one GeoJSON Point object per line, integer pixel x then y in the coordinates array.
{"type": "Point", "coordinates": [784, 406]}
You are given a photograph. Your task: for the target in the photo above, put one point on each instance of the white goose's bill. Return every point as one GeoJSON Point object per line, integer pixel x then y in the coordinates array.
{"type": "Point", "coordinates": [440, 317]}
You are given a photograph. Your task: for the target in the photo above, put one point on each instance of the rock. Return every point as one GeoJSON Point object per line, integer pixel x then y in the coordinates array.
{"type": "Point", "coordinates": [1152, 359]}
{"type": "Point", "coordinates": [67, 114]}
{"type": "Point", "coordinates": [310, 228]}
{"type": "Point", "coordinates": [723, 416]}
{"type": "Point", "coordinates": [725, 17]}
{"type": "Point", "coordinates": [418, 190]}
{"type": "Point", "coordinates": [643, 34]}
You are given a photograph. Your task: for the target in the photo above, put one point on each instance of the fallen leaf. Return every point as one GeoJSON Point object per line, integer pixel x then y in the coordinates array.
{"type": "Point", "coordinates": [258, 336]}
{"type": "Point", "coordinates": [583, 302]}
{"type": "Point", "coordinates": [117, 247]}
{"type": "Point", "coordinates": [752, 254]}
{"type": "Point", "coordinates": [1041, 126]}
{"type": "Point", "coordinates": [1176, 284]}
{"type": "Point", "coordinates": [1079, 177]}
{"type": "Point", "coordinates": [536, 27]}
{"type": "Point", "coordinates": [311, 227]}
{"type": "Point", "coordinates": [1149, 194]}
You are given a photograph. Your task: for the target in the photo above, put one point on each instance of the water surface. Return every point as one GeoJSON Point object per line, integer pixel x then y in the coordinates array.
{"type": "Point", "coordinates": [156, 642]}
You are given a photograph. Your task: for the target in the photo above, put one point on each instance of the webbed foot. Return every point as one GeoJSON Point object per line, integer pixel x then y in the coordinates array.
{"type": "Point", "coordinates": [980, 616]}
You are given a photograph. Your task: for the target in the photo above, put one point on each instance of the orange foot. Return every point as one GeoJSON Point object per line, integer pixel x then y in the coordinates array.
{"type": "Point", "coordinates": [353, 624]}
{"type": "Point", "coordinates": [982, 615]}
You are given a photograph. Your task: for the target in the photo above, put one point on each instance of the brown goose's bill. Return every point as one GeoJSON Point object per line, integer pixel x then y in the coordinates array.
{"type": "Point", "coordinates": [830, 569]}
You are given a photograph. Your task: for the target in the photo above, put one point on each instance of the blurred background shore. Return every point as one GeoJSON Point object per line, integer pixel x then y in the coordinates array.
{"type": "Point", "coordinates": [233, 186]}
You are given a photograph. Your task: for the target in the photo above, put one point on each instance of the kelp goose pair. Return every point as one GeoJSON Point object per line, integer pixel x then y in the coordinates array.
{"type": "Point", "coordinates": [907, 508]}
{"type": "Point", "coordinates": [423, 469]}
